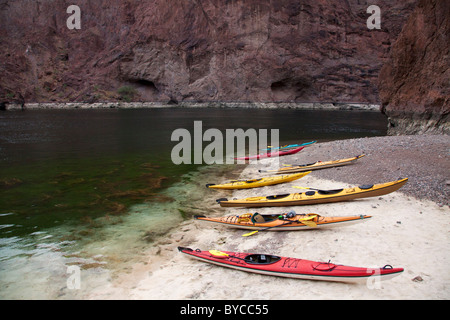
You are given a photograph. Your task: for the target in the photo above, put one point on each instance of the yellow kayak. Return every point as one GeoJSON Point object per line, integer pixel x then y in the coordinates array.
{"type": "Point", "coordinates": [256, 183]}
{"type": "Point", "coordinates": [317, 196]}
{"type": "Point", "coordinates": [315, 165]}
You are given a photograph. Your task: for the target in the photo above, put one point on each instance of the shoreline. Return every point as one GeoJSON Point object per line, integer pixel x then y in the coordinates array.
{"type": "Point", "coordinates": [214, 104]}
{"type": "Point", "coordinates": [404, 231]}
{"type": "Point", "coordinates": [424, 159]}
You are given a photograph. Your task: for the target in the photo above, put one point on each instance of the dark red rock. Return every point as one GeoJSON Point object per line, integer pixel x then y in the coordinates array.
{"type": "Point", "coordinates": [414, 82]}
{"type": "Point", "coordinates": [221, 50]}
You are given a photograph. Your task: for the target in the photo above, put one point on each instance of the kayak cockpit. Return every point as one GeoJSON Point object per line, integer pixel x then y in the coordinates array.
{"type": "Point", "coordinates": [277, 196]}
{"type": "Point", "coordinates": [263, 218]}
{"type": "Point", "coordinates": [329, 191]}
{"type": "Point", "coordinates": [306, 165]}
{"type": "Point", "coordinates": [323, 192]}
{"type": "Point", "coordinates": [261, 259]}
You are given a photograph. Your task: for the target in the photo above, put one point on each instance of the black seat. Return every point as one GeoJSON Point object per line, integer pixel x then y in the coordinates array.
{"type": "Point", "coordinates": [261, 259]}
{"type": "Point", "coordinates": [278, 196]}
{"type": "Point", "coordinates": [329, 191]}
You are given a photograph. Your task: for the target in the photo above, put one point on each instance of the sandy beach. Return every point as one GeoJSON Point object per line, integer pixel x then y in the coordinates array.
{"type": "Point", "coordinates": [409, 228]}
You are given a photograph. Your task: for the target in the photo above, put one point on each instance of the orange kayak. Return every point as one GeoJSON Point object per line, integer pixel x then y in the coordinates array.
{"type": "Point", "coordinates": [282, 222]}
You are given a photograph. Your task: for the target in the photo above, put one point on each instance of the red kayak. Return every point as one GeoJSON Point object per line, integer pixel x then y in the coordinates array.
{"type": "Point", "coordinates": [290, 267]}
{"type": "Point", "coordinates": [278, 153]}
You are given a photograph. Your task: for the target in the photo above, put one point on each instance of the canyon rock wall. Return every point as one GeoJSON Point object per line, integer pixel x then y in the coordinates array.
{"type": "Point", "coordinates": [180, 50]}
{"type": "Point", "coordinates": [415, 81]}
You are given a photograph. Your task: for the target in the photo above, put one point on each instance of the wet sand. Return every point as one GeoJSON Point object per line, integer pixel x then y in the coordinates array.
{"type": "Point", "coordinates": [409, 228]}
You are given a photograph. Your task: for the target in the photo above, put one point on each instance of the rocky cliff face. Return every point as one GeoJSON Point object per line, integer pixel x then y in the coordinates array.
{"type": "Point", "coordinates": [415, 80]}
{"type": "Point", "coordinates": [179, 50]}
